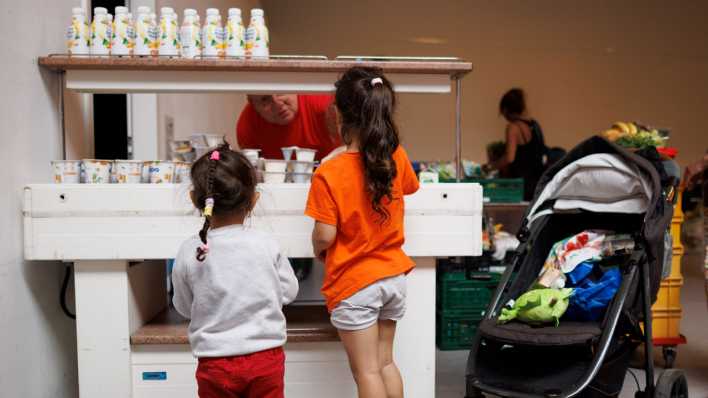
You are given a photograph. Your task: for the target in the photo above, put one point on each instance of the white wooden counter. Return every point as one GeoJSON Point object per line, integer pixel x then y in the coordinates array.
{"type": "Point", "coordinates": [109, 230]}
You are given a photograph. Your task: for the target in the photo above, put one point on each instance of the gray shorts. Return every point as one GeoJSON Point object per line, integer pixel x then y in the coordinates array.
{"type": "Point", "coordinates": [383, 299]}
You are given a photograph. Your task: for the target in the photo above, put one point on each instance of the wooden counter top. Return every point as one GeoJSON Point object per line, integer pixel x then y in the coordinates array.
{"type": "Point", "coordinates": [65, 62]}
{"type": "Point", "coordinates": [305, 324]}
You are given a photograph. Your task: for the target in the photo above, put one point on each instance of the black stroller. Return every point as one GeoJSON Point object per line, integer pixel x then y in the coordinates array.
{"type": "Point", "coordinates": [598, 185]}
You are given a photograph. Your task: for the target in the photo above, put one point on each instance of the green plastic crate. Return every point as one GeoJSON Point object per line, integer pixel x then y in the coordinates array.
{"type": "Point", "coordinates": [498, 190]}
{"type": "Point", "coordinates": [455, 330]}
{"type": "Point", "coordinates": [455, 291]}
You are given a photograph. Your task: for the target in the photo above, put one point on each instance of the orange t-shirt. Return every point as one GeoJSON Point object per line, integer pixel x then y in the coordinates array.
{"type": "Point", "coordinates": [364, 250]}
{"type": "Point", "coordinates": [307, 130]}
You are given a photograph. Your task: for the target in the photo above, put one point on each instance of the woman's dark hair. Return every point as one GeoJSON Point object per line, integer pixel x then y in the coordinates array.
{"type": "Point", "coordinates": [366, 102]}
{"type": "Point", "coordinates": [513, 103]}
{"type": "Point", "coordinates": [228, 179]}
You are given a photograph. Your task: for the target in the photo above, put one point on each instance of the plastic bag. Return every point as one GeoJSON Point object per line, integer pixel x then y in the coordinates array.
{"type": "Point", "coordinates": [591, 296]}
{"type": "Point", "coordinates": [538, 306]}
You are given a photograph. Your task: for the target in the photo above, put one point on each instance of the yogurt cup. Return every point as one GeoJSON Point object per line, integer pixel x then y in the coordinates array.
{"type": "Point", "coordinates": [97, 171]}
{"type": "Point", "coordinates": [276, 166]}
{"type": "Point", "coordinates": [146, 173]}
{"type": "Point", "coordinates": [305, 155]}
{"type": "Point", "coordinates": [128, 171]}
{"type": "Point", "coordinates": [182, 172]}
{"type": "Point", "coordinates": [302, 167]}
{"type": "Point", "coordinates": [274, 177]}
{"type": "Point", "coordinates": [200, 150]}
{"type": "Point", "coordinates": [301, 178]}
{"type": "Point", "coordinates": [66, 171]}
{"type": "Point", "coordinates": [161, 172]}
{"type": "Point", "coordinates": [252, 155]}
{"type": "Point", "coordinates": [288, 152]}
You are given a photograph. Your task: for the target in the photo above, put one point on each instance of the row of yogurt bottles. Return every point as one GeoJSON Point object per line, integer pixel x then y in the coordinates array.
{"type": "Point", "coordinates": [144, 37]}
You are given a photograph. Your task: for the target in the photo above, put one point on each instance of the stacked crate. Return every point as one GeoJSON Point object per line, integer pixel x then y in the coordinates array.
{"type": "Point", "coordinates": [462, 299]}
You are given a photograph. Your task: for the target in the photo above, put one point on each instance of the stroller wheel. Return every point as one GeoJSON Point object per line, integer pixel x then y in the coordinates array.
{"type": "Point", "coordinates": [671, 384]}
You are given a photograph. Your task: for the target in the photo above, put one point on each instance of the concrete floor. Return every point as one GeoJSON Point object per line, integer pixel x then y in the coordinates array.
{"type": "Point", "coordinates": [692, 357]}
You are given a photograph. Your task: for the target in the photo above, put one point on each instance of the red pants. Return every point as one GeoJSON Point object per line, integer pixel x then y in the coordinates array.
{"type": "Point", "coordinates": [257, 375]}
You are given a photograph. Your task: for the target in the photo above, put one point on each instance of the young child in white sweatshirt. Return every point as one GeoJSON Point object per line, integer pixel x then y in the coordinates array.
{"type": "Point", "coordinates": [232, 282]}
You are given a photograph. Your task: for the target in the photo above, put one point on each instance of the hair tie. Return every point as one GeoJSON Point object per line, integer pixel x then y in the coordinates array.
{"type": "Point", "coordinates": [375, 81]}
{"type": "Point", "coordinates": [214, 155]}
{"type": "Point", "coordinates": [208, 207]}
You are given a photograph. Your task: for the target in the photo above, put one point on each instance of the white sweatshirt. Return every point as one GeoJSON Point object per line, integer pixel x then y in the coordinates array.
{"type": "Point", "coordinates": [234, 298]}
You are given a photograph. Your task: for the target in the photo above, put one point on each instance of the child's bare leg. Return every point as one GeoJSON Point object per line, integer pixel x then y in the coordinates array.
{"type": "Point", "coordinates": [389, 371]}
{"type": "Point", "coordinates": [362, 348]}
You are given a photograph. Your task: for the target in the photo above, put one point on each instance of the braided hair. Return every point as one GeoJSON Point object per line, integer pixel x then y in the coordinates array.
{"type": "Point", "coordinates": [224, 182]}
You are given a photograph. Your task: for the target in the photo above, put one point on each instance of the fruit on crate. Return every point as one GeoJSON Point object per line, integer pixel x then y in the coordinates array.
{"type": "Point", "coordinates": [636, 136]}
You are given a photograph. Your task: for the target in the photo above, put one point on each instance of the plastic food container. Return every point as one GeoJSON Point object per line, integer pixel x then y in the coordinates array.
{"type": "Point", "coordinates": [276, 166]}
{"type": "Point", "coordinates": [66, 171]}
{"type": "Point", "coordinates": [303, 167]}
{"type": "Point", "coordinates": [161, 172]}
{"type": "Point", "coordinates": [182, 172]}
{"type": "Point", "coordinates": [128, 171]}
{"type": "Point", "coordinates": [274, 177]}
{"type": "Point", "coordinates": [252, 155]}
{"type": "Point", "coordinates": [97, 171]}
{"type": "Point", "coordinates": [302, 178]}
{"type": "Point", "coordinates": [305, 155]}
{"type": "Point", "coordinates": [288, 152]}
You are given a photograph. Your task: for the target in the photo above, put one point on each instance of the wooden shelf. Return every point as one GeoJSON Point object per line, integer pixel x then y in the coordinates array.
{"type": "Point", "coordinates": [166, 74]}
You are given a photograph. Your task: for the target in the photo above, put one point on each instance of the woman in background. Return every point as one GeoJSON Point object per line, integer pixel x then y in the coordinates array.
{"type": "Point", "coordinates": [525, 147]}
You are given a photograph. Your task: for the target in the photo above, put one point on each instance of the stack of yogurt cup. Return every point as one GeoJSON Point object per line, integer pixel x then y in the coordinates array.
{"type": "Point", "coordinates": [297, 171]}
{"type": "Point", "coordinates": [97, 171]}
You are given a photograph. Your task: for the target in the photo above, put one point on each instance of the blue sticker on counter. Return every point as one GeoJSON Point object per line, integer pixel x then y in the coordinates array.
{"type": "Point", "coordinates": [154, 375]}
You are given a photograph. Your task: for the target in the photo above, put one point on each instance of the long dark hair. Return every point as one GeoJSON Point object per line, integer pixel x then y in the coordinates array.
{"type": "Point", "coordinates": [226, 180]}
{"type": "Point", "coordinates": [366, 102]}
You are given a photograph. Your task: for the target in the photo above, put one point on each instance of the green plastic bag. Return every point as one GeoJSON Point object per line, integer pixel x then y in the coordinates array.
{"type": "Point", "coordinates": [538, 306]}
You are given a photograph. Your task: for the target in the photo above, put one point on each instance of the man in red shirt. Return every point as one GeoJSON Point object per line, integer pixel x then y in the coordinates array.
{"type": "Point", "coordinates": [270, 122]}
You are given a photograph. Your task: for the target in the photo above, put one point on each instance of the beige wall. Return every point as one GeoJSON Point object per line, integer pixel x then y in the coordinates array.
{"type": "Point", "coordinates": [584, 64]}
{"type": "Point", "coordinates": [202, 113]}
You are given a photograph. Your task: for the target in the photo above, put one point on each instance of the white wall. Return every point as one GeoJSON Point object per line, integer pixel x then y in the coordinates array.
{"type": "Point", "coordinates": [37, 342]}
{"type": "Point", "coordinates": [584, 64]}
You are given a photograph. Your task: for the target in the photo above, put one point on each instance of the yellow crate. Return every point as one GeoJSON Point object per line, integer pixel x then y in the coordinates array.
{"type": "Point", "coordinates": [669, 296]}
{"type": "Point", "coordinates": [666, 311]}
{"type": "Point", "coordinates": [666, 324]}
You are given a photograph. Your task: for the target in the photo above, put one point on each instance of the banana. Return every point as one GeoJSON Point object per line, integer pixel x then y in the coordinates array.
{"type": "Point", "coordinates": [621, 126]}
{"type": "Point", "coordinates": [612, 134]}
{"type": "Point", "coordinates": [632, 128]}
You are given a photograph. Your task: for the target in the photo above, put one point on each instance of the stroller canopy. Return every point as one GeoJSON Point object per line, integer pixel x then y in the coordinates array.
{"type": "Point", "coordinates": [599, 176]}
{"type": "Point", "coordinates": [600, 182]}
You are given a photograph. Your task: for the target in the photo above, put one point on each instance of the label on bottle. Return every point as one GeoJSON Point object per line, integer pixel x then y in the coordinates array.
{"type": "Point", "coordinates": [122, 43]}
{"type": "Point", "coordinates": [144, 38]}
{"type": "Point", "coordinates": [169, 37]}
{"type": "Point", "coordinates": [77, 37]}
{"type": "Point", "coordinates": [101, 33]}
{"type": "Point", "coordinates": [257, 41]}
{"type": "Point", "coordinates": [213, 40]}
{"type": "Point", "coordinates": [235, 39]}
{"type": "Point", "coordinates": [189, 37]}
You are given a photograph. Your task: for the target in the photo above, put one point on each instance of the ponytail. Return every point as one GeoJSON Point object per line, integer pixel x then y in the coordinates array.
{"type": "Point", "coordinates": [366, 101]}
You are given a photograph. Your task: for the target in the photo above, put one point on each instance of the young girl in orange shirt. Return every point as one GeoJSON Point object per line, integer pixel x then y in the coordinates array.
{"type": "Point", "coordinates": [356, 200]}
